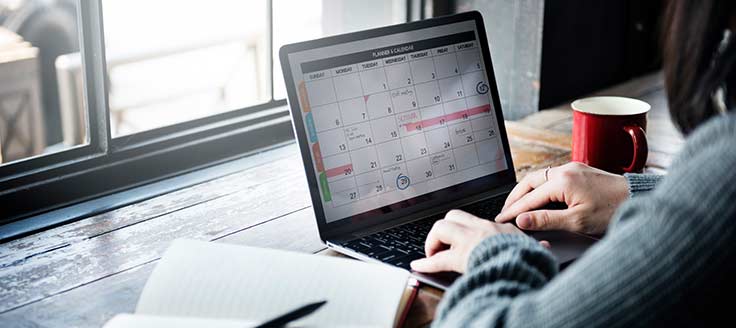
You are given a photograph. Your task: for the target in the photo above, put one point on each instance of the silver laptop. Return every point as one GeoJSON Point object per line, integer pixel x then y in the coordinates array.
{"type": "Point", "coordinates": [396, 126]}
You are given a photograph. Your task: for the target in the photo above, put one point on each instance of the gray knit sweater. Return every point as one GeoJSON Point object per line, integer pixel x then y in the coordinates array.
{"type": "Point", "coordinates": [668, 259]}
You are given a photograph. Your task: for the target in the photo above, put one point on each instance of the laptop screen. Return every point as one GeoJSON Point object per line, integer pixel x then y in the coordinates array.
{"type": "Point", "coordinates": [390, 118]}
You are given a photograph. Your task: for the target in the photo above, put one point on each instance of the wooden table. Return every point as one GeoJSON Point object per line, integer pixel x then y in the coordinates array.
{"type": "Point", "coordinates": [83, 273]}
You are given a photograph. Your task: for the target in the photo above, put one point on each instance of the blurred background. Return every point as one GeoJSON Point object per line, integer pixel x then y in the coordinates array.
{"type": "Point", "coordinates": [174, 61]}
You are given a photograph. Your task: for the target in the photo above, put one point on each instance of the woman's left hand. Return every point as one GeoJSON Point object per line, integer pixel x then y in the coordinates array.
{"type": "Point", "coordinates": [451, 240]}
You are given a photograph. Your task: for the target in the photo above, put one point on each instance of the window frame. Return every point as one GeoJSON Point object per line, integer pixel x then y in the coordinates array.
{"type": "Point", "coordinates": [40, 184]}
{"type": "Point", "coordinates": [35, 193]}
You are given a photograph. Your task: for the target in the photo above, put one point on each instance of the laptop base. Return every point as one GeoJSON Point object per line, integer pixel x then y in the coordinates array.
{"type": "Point", "coordinates": [400, 245]}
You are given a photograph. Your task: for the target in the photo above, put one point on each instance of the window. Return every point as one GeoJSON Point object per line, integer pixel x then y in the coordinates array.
{"type": "Point", "coordinates": [203, 58]}
{"type": "Point", "coordinates": [33, 37]}
{"type": "Point", "coordinates": [131, 92]}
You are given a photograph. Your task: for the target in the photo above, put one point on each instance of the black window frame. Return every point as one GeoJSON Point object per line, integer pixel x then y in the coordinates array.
{"type": "Point", "coordinates": [34, 187]}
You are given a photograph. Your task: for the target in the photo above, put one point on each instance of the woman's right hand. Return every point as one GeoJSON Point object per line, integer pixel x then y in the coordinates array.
{"type": "Point", "coordinates": [591, 195]}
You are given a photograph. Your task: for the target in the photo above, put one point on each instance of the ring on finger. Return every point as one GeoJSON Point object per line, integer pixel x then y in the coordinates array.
{"type": "Point", "coordinates": [546, 173]}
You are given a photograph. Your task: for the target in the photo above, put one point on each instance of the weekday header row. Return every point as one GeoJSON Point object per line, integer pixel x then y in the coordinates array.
{"type": "Point", "coordinates": [390, 55]}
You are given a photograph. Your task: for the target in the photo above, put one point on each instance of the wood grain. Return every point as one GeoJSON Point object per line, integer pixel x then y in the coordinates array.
{"type": "Point", "coordinates": [529, 157]}
{"type": "Point", "coordinates": [20, 249]}
{"type": "Point", "coordinates": [294, 232]}
{"type": "Point", "coordinates": [96, 302]}
{"type": "Point", "coordinates": [261, 198]}
{"type": "Point", "coordinates": [539, 136]}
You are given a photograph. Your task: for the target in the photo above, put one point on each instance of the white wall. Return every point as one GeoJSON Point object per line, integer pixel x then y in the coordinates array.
{"type": "Point", "coordinates": [342, 16]}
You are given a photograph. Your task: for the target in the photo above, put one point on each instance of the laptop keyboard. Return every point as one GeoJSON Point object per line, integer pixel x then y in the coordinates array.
{"type": "Point", "coordinates": [487, 209]}
{"type": "Point", "coordinates": [401, 245]}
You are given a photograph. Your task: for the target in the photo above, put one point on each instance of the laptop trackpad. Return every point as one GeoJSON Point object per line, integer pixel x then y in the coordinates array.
{"type": "Point", "coordinates": [566, 246]}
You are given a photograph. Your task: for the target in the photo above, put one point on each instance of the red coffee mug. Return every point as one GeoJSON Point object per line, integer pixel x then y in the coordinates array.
{"type": "Point", "coordinates": [610, 133]}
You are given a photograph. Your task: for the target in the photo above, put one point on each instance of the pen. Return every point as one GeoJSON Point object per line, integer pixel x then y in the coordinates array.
{"type": "Point", "coordinates": [301, 312]}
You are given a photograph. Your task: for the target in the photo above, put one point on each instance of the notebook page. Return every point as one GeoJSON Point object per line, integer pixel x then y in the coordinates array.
{"type": "Point", "coordinates": [150, 321]}
{"type": "Point", "coordinates": [154, 321]}
{"type": "Point", "coordinates": [214, 280]}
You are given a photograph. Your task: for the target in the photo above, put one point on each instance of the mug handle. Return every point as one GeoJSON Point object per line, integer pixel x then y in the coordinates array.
{"type": "Point", "coordinates": [641, 148]}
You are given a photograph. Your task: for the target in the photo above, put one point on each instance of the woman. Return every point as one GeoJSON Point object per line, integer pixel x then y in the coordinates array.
{"type": "Point", "coordinates": [668, 257]}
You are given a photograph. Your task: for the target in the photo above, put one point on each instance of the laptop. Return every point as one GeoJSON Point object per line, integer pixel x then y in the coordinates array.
{"type": "Point", "coordinates": [396, 126]}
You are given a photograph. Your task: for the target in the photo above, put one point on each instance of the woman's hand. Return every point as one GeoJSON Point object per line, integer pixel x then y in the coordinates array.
{"type": "Point", "coordinates": [451, 240]}
{"type": "Point", "coordinates": [591, 195]}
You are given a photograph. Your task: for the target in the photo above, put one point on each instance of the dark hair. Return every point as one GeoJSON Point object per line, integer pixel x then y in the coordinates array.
{"type": "Point", "coordinates": [694, 67]}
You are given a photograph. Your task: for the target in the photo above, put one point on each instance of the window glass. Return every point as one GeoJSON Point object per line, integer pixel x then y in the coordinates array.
{"type": "Point", "coordinates": [172, 61]}
{"type": "Point", "coordinates": [295, 21]}
{"type": "Point", "coordinates": [42, 104]}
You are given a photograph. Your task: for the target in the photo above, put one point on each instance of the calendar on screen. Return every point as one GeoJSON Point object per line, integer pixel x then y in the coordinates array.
{"type": "Point", "coordinates": [395, 117]}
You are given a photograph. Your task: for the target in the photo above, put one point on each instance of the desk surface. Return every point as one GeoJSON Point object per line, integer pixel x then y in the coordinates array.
{"type": "Point", "coordinates": [83, 273]}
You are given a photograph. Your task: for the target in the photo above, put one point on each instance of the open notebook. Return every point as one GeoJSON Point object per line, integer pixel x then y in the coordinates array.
{"type": "Point", "coordinates": [202, 284]}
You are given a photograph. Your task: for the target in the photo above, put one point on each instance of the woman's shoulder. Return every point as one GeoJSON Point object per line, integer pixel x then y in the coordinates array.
{"type": "Point", "coordinates": [722, 125]}
{"type": "Point", "coordinates": [715, 136]}
{"type": "Point", "coordinates": [696, 181]}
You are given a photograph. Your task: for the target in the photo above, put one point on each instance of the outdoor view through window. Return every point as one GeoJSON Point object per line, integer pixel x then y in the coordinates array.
{"type": "Point", "coordinates": [168, 62]}
{"type": "Point", "coordinates": [33, 103]}
{"type": "Point", "coordinates": [183, 60]}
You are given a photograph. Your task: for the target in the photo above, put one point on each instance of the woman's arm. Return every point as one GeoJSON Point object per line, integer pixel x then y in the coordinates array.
{"type": "Point", "coordinates": [639, 274]}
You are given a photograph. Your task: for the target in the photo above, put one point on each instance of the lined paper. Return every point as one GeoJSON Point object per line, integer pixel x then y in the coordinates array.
{"type": "Point", "coordinates": [213, 280]}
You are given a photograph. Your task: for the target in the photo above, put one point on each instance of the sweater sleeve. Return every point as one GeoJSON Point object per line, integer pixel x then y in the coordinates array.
{"type": "Point", "coordinates": [499, 268]}
{"type": "Point", "coordinates": [639, 184]}
{"type": "Point", "coordinates": [640, 274]}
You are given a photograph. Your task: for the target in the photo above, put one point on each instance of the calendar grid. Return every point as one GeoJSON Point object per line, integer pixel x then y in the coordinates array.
{"type": "Point", "coordinates": [444, 113]}
{"type": "Point", "coordinates": [398, 135]}
{"type": "Point", "coordinates": [460, 130]}
{"type": "Point", "coordinates": [370, 126]}
{"type": "Point", "coordinates": [465, 99]}
{"type": "Point", "coordinates": [353, 196]}
{"type": "Point", "coordinates": [421, 119]}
